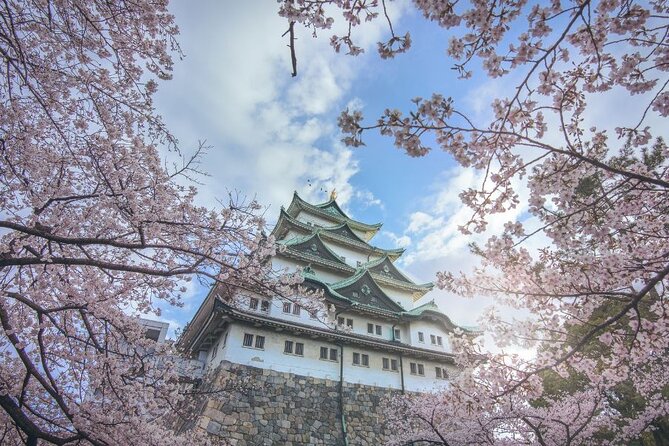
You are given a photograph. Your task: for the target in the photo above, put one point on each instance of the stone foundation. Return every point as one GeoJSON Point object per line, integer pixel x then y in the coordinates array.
{"type": "Point", "coordinates": [264, 407]}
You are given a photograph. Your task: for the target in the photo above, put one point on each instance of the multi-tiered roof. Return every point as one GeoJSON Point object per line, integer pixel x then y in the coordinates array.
{"type": "Point", "coordinates": [363, 287]}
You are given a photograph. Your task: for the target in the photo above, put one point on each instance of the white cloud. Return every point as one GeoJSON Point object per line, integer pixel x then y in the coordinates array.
{"type": "Point", "coordinates": [271, 133]}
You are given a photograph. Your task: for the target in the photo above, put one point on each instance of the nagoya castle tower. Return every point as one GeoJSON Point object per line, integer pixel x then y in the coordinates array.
{"type": "Point", "coordinates": [378, 341]}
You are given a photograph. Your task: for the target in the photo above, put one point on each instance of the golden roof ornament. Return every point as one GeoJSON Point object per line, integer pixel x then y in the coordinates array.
{"type": "Point", "coordinates": [333, 195]}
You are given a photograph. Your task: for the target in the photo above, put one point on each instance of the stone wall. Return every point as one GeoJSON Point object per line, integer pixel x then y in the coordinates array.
{"type": "Point", "coordinates": [264, 407]}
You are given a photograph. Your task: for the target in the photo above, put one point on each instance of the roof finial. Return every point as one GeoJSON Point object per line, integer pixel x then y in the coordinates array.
{"type": "Point", "coordinates": [333, 195]}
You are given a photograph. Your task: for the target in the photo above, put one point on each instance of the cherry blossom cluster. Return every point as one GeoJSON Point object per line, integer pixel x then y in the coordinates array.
{"type": "Point", "coordinates": [596, 290]}
{"type": "Point", "coordinates": [95, 226]}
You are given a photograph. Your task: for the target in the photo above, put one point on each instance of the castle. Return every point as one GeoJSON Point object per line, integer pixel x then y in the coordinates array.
{"type": "Point", "coordinates": [370, 338]}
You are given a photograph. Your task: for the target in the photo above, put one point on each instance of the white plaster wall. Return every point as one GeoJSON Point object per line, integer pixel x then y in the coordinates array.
{"type": "Point", "coordinates": [292, 234]}
{"type": "Point", "coordinates": [426, 383]}
{"type": "Point", "coordinates": [352, 256]}
{"type": "Point", "coordinates": [404, 297]}
{"type": "Point", "coordinates": [273, 358]}
{"type": "Point", "coordinates": [316, 220]}
{"type": "Point", "coordinates": [280, 263]}
{"type": "Point", "coordinates": [429, 328]}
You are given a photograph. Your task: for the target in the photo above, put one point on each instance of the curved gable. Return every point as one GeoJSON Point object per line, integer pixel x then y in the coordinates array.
{"type": "Point", "coordinates": [362, 289]}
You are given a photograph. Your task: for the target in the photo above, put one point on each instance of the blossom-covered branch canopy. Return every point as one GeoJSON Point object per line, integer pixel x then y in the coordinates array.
{"type": "Point", "coordinates": [598, 192]}
{"type": "Point", "coordinates": [95, 226]}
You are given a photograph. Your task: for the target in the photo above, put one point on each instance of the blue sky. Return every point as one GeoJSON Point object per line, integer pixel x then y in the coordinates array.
{"type": "Point", "coordinates": [272, 134]}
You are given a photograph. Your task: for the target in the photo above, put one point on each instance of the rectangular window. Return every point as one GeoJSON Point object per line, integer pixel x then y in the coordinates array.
{"type": "Point", "coordinates": [370, 328]}
{"type": "Point", "coordinates": [248, 340]}
{"type": "Point", "coordinates": [358, 263]}
{"type": "Point", "coordinates": [438, 371]}
{"type": "Point", "coordinates": [214, 351]}
{"type": "Point", "coordinates": [379, 330]}
{"type": "Point", "coordinates": [340, 321]}
{"type": "Point", "coordinates": [296, 309]}
{"type": "Point", "coordinates": [365, 360]}
{"type": "Point", "coordinates": [393, 365]}
{"type": "Point", "coordinates": [333, 354]}
{"type": "Point", "coordinates": [260, 342]}
{"type": "Point", "coordinates": [421, 369]}
{"type": "Point", "coordinates": [386, 363]}
{"type": "Point", "coordinates": [421, 337]}
{"type": "Point", "coordinates": [433, 339]}
{"type": "Point", "coordinates": [299, 349]}
{"type": "Point", "coordinates": [253, 303]}
{"type": "Point", "coordinates": [440, 341]}
{"type": "Point", "coordinates": [288, 347]}
{"type": "Point", "coordinates": [412, 367]}
{"type": "Point", "coordinates": [398, 334]}
{"type": "Point", "coordinates": [349, 323]}
{"type": "Point", "coordinates": [356, 358]}
{"type": "Point", "coordinates": [324, 353]}
{"type": "Point", "coordinates": [264, 306]}
{"type": "Point", "coordinates": [286, 307]}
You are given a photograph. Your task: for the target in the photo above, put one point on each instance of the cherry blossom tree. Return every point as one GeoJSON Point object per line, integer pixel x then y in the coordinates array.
{"type": "Point", "coordinates": [95, 226]}
{"type": "Point", "coordinates": [597, 192]}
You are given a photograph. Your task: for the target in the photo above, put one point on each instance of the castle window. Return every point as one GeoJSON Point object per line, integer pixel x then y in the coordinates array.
{"type": "Point", "coordinates": [441, 373]}
{"type": "Point", "coordinates": [259, 341]}
{"type": "Point", "coordinates": [296, 309]}
{"type": "Point", "coordinates": [433, 340]}
{"type": "Point", "coordinates": [417, 369]}
{"type": "Point", "coordinates": [370, 328]}
{"type": "Point", "coordinates": [358, 263]}
{"type": "Point", "coordinates": [398, 334]}
{"type": "Point", "coordinates": [324, 354]}
{"type": "Point", "coordinates": [360, 359]}
{"type": "Point", "coordinates": [264, 306]}
{"type": "Point", "coordinates": [341, 321]}
{"type": "Point", "coordinates": [379, 330]}
{"type": "Point", "coordinates": [438, 371]}
{"type": "Point", "coordinates": [421, 337]}
{"type": "Point", "coordinates": [386, 363]}
{"type": "Point", "coordinates": [440, 341]}
{"type": "Point", "coordinates": [286, 307]}
{"type": "Point", "coordinates": [393, 365]}
{"type": "Point", "coordinates": [296, 348]}
{"type": "Point", "coordinates": [253, 303]}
